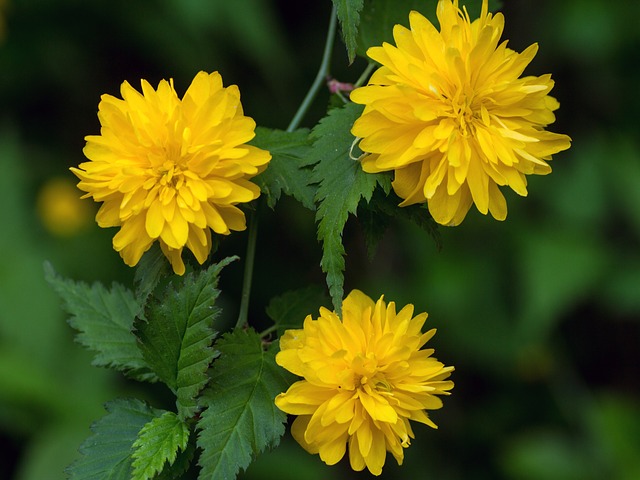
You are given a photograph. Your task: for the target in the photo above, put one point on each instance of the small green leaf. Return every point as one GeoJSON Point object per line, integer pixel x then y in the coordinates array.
{"type": "Point", "coordinates": [291, 308]}
{"type": "Point", "coordinates": [153, 266]}
{"type": "Point", "coordinates": [349, 16]}
{"type": "Point", "coordinates": [342, 185]}
{"type": "Point", "coordinates": [176, 338]}
{"type": "Point", "coordinates": [285, 173]}
{"type": "Point", "coordinates": [107, 454]}
{"type": "Point", "coordinates": [158, 443]}
{"type": "Point", "coordinates": [104, 319]}
{"type": "Point", "coordinates": [241, 418]}
{"type": "Point", "coordinates": [374, 226]}
{"type": "Point", "coordinates": [377, 215]}
{"type": "Point", "coordinates": [182, 463]}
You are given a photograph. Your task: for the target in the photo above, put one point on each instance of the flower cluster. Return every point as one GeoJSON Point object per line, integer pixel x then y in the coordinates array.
{"type": "Point", "coordinates": [449, 113]}
{"type": "Point", "coordinates": [365, 376]}
{"type": "Point", "coordinates": [172, 170]}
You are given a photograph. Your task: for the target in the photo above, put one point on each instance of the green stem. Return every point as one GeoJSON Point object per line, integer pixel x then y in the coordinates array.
{"type": "Point", "coordinates": [243, 315]}
{"type": "Point", "coordinates": [321, 76]}
{"type": "Point", "coordinates": [268, 331]}
{"type": "Point", "coordinates": [365, 75]}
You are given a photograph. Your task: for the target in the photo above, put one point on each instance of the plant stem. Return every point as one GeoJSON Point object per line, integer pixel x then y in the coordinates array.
{"type": "Point", "coordinates": [243, 315]}
{"type": "Point", "coordinates": [321, 76]}
{"type": "Point", "coordinates": [268, 331]}
{"type": "Point", "coordinates": [365, 75]}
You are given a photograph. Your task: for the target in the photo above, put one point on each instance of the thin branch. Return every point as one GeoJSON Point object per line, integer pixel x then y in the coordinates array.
{"type": "Point", "coordinates": [321, 76]}
{"type": "Point", "coordinates": [243, 315]}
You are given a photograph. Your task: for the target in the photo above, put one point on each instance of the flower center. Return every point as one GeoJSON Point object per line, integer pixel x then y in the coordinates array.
{"type": "Point", "coordinates": [464, 113]}
{"type": "Point", "coordinates": [367, 375]}
{"type": "Point", "coordinates": [167, 175]}
{"type": "Point", "coordinates": [170, 174]}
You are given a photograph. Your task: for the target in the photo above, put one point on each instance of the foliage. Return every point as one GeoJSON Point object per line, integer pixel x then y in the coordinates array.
{"type": "Point", "coordinates": [342, 184]}
{"type": "Point", "coordinates": [348, 12]}
{"type": "Point", "coordinates": [240, 419]}
{"type": "Point", "coordinates": [104, 319]}
{"type": "Point", "coordinates": [176, 336]}
{"type": "Point", "coordinates": [290, 309]}
{"type": "Point", "coordinates": [109, 452]}
{"type": "Point", "coordinates": [286, 173]}
{"type": "Point", "coordinates": [158, 441]}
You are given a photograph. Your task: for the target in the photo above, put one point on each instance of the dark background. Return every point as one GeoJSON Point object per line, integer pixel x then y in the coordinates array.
{"type": "Point", "coordinates": [539, 314]}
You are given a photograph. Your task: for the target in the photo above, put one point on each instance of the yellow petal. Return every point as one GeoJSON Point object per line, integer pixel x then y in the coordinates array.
{"type": "Point", "coordinates": [154, 222]}
{"type": "Point", "coordinates": [449, 209]}
{"type": "Point", "coordinates": [377, 455]}
{"type": "Point", "coordinates": [378, 408]}
{"type": "Point", "coordinates": [355, 457]}
{"type": "Point", "coordinates": [175, 258]}
{"type": "Point", "coordinates": [214, 219]}
{"type": "Point", "coordinates": [497, 203]}
{"type": "Point", "coordinates": [298, 429]}
{"type": "Point", "coordinates": [332, 452]}
{"type": "Point", "coordinates": [340, 409]}
{"type": "Point", "coordinates": [303, 398]}
{"type": "Point", "coordinates": [478, 182]}
{"type": "Point", "coordinates": [180, 230]}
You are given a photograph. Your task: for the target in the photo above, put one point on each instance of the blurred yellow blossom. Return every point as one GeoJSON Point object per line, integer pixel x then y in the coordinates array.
{"type": "Point", "coordinates": [60, 209]}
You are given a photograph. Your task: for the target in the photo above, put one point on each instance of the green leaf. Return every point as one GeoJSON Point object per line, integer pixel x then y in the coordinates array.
{"type": "Point", "coordinates": [349, 16]}
{"type": "Point", "coordinates": [152, 268]}
{"type": "Point", "coordinates": [374, 226]}
{"type": "Point", "coordinates": [158, 443]}
{"type": "Point", "coordinates": [107, 454]}
{"type": "Point", "coordinates": [377, 215]}
{"type": "Point", "coordinates": [285, 173]}
{"type": "Point", "coordinates": [176, 337]}
{"type": "Point", "coordinates": [342, 185]}
{"type": "Point", "coordinates": [182, 463]}
{"type": "Point", "coordinates": [291, 308]}
{"type": "Point", "coordinates": [241, 418]}
{"type": "Point", "coordinates": [104, 319]}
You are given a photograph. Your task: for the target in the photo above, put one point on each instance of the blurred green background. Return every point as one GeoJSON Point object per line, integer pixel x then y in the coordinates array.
{"type": "Point", "coordinates": [540, 314]}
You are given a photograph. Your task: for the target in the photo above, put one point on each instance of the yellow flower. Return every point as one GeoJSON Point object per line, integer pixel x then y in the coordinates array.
{"type": "Point", "coordinates": [449, 113]}
{"type": "Point", "coordinates": [365, 377]}
{"type": "Point", "coordinates": [171, 170]}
